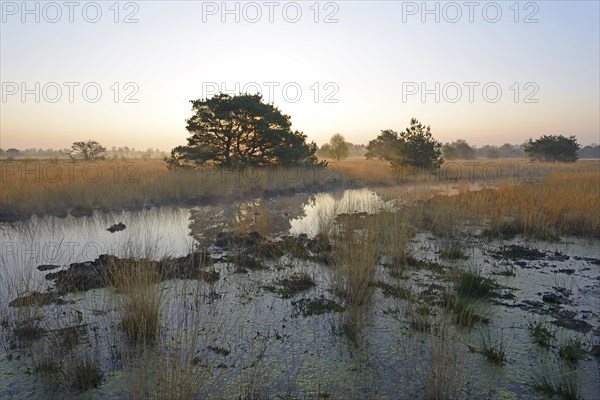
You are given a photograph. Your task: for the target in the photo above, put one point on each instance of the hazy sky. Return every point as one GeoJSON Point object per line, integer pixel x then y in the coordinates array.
{"type": "Point", "coordinates": [487, 72]}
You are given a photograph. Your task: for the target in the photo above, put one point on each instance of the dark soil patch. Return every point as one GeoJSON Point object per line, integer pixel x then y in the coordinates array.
{"type": "Point", "coordinates": [319, 306]}
{"type": "Point", "coordinates": [289, 287]}
{"type": "Point", "coordinates": [516, 252]}
{"type": "Point", "coordinates": [397, 291]}
{"type": "Point", "coordinates": [453, 253]}
{"type": "Point", "coordinates": [47, 267]}
{"type": "Point", "coordinates": [36, 299]}
{"type": "Point", "coordinates": [219, 350]}
{"type": "Point", "coordinates": [88, 275]}
{"type": "Point", "coordinates": [563, 318]}
{"type": "Point", "coordinates": [244, 262]}
{"type": "Point", "coordinates": [423, 264]}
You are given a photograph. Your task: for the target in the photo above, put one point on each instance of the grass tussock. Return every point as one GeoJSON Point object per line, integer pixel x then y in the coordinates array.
{"type": "Point", "coordinates": [452, 252]}
{"type": "Point", "coordinates": [471, 283]}
{"type": "Point", "coordinates": [178, 363]}
{"type": "Point", "coordinates": [137, 297]}
{"type": "Point", "coordinates": [395, 230]}
{"type": "Point", "coordinates": [419, 318]}
{"type": "Point", "coordinates": [557, 381]}
{"type": "Point", "coordinates": [541, 333]}
{"type": "Point", "coordinates": [446, 372]}
{"type": "Point", "coordinates": [86, 373]}
{"type": "Point", "coordinates": [493, 349]}
{"type": "Point", "coordinates": [28, 328]}
{"type": "Point", "coordinates": [67, 361]}
{"type": "Point", "coordinates": [356, 255]}
{"type": "Point", "coordinates": [571, 349]}
{"type": "Point", "coordinates": [467, 311]}
{"type": "Point", "coordinates": [466, 300]}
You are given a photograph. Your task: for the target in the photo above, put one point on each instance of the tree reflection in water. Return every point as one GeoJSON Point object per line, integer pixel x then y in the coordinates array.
{"type": "Point", "coordinates": [269, 217]}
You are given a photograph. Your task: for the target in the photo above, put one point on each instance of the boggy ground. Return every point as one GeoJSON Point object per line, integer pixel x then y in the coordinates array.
{"type": "Point", "coordinates": [287, 316]}
{"type": "Point", "coordinates": [483, 294]}
{"type": "Point", "coordinates": [78, 188]}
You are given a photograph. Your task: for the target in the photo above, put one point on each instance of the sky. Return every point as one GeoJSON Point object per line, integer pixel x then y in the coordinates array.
{"type": "Point", "coordinates": [123, 73]}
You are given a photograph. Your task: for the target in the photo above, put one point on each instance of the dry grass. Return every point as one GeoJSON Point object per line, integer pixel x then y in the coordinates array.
{"type": "Point", "coordinates": [31, 187]}
{"type": "Point", "coordinates": [395, 231]}
{"type": "Point", "coordinates": [446, 373]}
{"type": "Point", "coordinates": [356, 255]}
{"type": "Point", "coordinates": [563, 203]}
{"type": "Point", "coordinates": [138, 298]}
{"type": "Point", "coordinates": [551, 195]}
{"type": "Point", "coordinates": [362, 170]}
{"type": "Point", "coordinates": [25, 318]}
{"type": "Point", "coordinates": [177, 364]}
{"type": "Point", "coordinates": [483, 171]}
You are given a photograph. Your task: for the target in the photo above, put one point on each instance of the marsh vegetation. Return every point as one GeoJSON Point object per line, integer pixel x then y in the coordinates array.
{"type": "Point", "coordinates": [367, 286]}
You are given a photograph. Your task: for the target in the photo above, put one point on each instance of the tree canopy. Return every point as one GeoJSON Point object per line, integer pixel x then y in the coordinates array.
{"type": "Point", "coordinates": [415, 147]}
{"type": "Point", "coordinates": [458, 150]}
{"type": "Point", "coordinates": [88, 150]}
{"type": "Point", "coordinates": [241, 130]}
{"type": "Point", "coordinates": [553, 148]}
{"type": "Point", "coordinates": [590, 151]}
{"type": "Point", "coordinates": [338, 148]}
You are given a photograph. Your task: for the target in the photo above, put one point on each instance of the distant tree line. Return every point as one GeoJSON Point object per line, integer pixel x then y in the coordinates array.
{"type": "Point", "coordinates": [354, 150]}
{"type": "Point", "coordinates": [590, 151]}
{"type": "Point", "coordinates": [455, 150]}
{"type": "Point", "coordinates": [461, 150]}
{"type": "Point", "coordinates": [112, 153]}
{"type": "Point", "coordinates": [243, 131]}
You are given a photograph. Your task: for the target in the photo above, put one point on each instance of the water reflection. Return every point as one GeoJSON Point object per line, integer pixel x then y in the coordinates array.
{"type": "Point", "coordinates": [269, 217]}
{"type": "Point", "coordinates": [172, 231]}
{"type": "Point", "coordinates": [324, 207]}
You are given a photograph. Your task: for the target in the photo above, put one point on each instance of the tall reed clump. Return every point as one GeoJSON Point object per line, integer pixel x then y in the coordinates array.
{"type": "Point", "coordinates": [138, 297]}
{"type": "Point", "coordinates": [21, 306]}
{"type": "Point", "coordinates": [395, 230]}
{"type": "Point", "coordinates": [445, 374]}
{"type": "Point", "coordinates": [555, 379]}
{"type": "Point", "coordinates": [179, 363]}
{"type": "Point", "coordinates": [448, 216]}
{"type": "Point", "coordinates": [356, 254]}
{"type": "Point", "coordinates": [355, 259]}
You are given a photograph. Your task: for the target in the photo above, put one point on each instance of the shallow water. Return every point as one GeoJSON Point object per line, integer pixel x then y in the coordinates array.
{"type": "Point", "coordinates": [171, 231]}
{"type": "Point", "coordinates": [272, 350]}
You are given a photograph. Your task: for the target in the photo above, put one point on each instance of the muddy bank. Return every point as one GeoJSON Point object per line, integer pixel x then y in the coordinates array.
{"type": "Point", "coordinates": [245, 251]}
